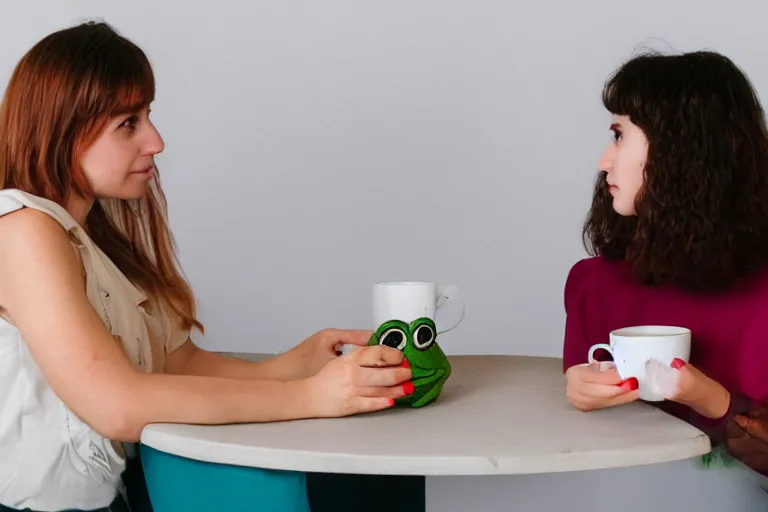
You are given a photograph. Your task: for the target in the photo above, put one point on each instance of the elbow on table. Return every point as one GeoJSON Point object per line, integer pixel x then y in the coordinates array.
{"type": "Point", "coordinates": [118, 425]}
{"type": "Point", "coordinates": [117, 416]}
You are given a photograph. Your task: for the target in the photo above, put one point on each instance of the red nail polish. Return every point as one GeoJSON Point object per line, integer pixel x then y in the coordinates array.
{"type": "Point", "coordinates": [408, 388]}
{"type": "Point", "coordinates": [405, 363]}
{"type": "Point", "coordinates": [629, 384]}
{"type": "Point", "coordinates": [390, 402]}
{"type": "Point", "coordinates": [677, 363]}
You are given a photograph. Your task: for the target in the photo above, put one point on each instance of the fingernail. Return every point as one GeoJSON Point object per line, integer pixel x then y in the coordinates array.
{"type": "Point", "coordinates": [408, 388]}
{"type": "Point", "coordinates": [629, 384]}
{"type": "Point", "coordinates": [390, 402]}
{"type": "Point", "coordinates": [606, 365]}
{"type": "Point", "coordinates": [677, 363]}
{"type": "Point", "coordinates": [405, 363]}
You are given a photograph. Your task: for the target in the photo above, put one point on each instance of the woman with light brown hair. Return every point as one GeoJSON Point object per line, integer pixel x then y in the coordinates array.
{"type": "Point", "coordinates": [96, 315]}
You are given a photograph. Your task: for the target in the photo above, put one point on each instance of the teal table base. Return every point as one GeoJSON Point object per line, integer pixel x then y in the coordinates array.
{"type": "Point", "coordinates": [180, 484]}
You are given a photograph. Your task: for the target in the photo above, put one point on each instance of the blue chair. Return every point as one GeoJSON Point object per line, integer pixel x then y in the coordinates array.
{"type": "Point", "coordinates": [178, 484]}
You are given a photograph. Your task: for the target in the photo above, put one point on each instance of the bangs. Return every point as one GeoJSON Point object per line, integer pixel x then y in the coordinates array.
{"type": "Point", "coordinates": [133, 95]}
{"type": "Point", "coordinates": [119, 79]}
{"type": "Point", "coordinates": [132, 82]}
{"type": "Point", "coordinates": [633, 86]}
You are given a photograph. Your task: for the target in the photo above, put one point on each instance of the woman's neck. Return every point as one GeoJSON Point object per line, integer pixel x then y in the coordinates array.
{"type": "Point", "coordinates": [79, 207]}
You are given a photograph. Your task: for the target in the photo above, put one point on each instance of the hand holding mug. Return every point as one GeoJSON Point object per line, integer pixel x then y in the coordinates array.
{"type": "Point", "coordinates": [598, 385]}
{"type": "Point", "coordinates": [365, 380]}
{"type": "Point", "coordinates": [636, 350]}
{"type": "Point", "coordinates": [309, 356]}
{"type": "Point", "coordinates": [698, 391]}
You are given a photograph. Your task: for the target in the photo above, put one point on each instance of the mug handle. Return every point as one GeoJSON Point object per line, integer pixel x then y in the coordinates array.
{"type": "Point", "coordinates": [449, 293]}
{"type": "Point", "coordinates": [593, 348]}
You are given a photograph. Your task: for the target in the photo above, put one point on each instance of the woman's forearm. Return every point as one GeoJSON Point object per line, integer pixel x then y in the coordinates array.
{"type": "Point", "coordinates": [192, 360]}
{"type": "Point", "coordinates": [211, 364]}
{"type": "Point", "coordinates": [159, 398]}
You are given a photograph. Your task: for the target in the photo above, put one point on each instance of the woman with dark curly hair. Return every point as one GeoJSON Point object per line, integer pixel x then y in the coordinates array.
{"type": "Point", "coordinates": [678, 234]}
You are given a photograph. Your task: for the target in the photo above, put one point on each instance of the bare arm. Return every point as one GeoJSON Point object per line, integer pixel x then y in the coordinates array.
{"type": "Point", "coordinates": [42, 292]}
{"type": "Point", "coordinates": [189, 359]}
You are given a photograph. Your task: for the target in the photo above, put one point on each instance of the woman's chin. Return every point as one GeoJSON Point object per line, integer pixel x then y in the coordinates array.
{"type": "Point", "coordinates": [622, 209]}
{"type": "Point", "coordinates": [131, 192]}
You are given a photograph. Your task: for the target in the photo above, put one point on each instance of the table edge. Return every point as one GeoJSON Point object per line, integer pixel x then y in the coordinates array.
{"type": "Point", "coordinates": [310, 461]}
{"type": "Point", "coordinates": [306, 461]}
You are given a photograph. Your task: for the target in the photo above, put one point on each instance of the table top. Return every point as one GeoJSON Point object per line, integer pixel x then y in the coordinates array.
{"type": "Point", "coordinates": [497, 415]}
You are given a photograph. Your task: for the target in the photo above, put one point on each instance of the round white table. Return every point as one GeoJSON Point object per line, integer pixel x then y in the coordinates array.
{"type": "Point", "coordinates": [497, 415]}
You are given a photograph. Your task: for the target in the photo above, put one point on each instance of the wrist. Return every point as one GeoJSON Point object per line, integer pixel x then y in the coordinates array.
{"type": "Point", "coordinates": [286, 366]}
{"type": "Point", "coordinates": [302, 396]}
{"type": "Point", "coordinates": [714, 403]}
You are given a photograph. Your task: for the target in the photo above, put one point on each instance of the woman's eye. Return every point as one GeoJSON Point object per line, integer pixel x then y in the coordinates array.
{"type": "Point", "coordinates": [616, 135]}
{"type": "Point", "coordinates": [129, 122]}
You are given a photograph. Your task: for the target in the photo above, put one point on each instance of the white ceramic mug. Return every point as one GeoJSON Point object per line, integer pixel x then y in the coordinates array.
{"type": "Point", "coordinates": [409, 300]}
{"type": "Point", "coordinates": [632, 347]}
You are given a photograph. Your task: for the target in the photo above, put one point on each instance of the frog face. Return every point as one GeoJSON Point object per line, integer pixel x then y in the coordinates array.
{"type": "Point", "coordinates": [429, 365]}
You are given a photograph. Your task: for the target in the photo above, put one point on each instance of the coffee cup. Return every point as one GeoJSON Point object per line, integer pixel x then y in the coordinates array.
{"type": "Point", "coordinates": [633, 347]}
{"type": "Point", "coordinates": [409, 300]}
{"type": "Point", "coordinates": [405, 315]}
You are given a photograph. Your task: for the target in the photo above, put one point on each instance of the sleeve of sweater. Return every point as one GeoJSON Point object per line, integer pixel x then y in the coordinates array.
{"type": "Point", "coordinates": [745, 434]}
{"type": "Point", "coordinates": [575, 341]}
{"type": "Point", "coordinates": [742, 430]}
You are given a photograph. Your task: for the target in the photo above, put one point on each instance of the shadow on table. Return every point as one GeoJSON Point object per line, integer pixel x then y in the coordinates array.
{"type": "Point", "coordinates": [332, 492]}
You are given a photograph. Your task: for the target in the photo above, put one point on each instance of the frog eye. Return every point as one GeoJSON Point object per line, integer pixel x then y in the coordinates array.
{"type": "Point", "coordinates": [423, 337]}
{"type": "Point", "coordinates": [394, 338]}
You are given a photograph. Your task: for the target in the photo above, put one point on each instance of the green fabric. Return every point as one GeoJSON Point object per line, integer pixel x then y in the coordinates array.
{"type": "Point", "coordinates": [429, 365]}
{"type": "Point", "coordinates": [181, 484]}
{"type": "Point", "coordinates": [718, 457]}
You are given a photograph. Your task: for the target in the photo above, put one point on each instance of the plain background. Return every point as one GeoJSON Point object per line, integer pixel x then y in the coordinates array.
{"type": "Point", "coordinates": [313, 148]}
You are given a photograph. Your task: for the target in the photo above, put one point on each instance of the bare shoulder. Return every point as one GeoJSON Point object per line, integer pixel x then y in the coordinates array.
{"type": "Point", "coordinates": [30, 227]}
{"type": "Point", "coordinates": [32, 242]}
{"type": "Point", "coordinates": [42, 293]}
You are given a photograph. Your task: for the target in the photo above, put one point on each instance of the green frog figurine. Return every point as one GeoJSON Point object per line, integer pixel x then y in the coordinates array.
{"type": "Point", "coordinates": [429, 365]}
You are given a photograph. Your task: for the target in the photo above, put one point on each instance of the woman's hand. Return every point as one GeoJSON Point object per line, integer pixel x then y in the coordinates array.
{"type": "Point", "coordinates": [598, 385]}
{"type": "Point", "coordinates": [309, 356]}
{"type": "Point", "coordinates": [367, 379]}
{"type": "Point", "coordinates": [699, 392]}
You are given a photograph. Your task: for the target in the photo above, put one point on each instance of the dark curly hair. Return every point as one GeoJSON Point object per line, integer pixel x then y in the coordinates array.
{"type": "Point", "coordinates": [701, 220]}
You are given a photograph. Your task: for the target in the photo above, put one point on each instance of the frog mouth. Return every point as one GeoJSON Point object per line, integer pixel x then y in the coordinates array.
{"type": "Point", "coordinates": [422, 376]}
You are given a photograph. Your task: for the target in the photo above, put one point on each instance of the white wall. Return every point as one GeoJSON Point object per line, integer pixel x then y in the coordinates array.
{"type": "Point", "coordinates": [316, 147]}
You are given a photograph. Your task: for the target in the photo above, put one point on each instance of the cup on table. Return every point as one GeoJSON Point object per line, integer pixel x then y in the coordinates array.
{"type": "Point", "coordinates": [405, 315]}
{"type": "Point", "coordinates": [409, 300]}
{"type": "Point", "coordinates": [633, 347]}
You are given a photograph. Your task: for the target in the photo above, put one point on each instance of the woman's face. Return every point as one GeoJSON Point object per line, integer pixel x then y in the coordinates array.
{"type": "Point", "coordinates": [623, 161]}
{"type": "Point", "coordinates": [120, 163]}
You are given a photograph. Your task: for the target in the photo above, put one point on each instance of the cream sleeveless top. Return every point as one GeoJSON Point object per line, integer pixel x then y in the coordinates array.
{"type": "Point", "coordinates": [49, 458]}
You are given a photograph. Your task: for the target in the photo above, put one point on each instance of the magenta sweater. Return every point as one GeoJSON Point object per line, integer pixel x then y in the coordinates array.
{"type": "Point", "coordinates": [729, 341]}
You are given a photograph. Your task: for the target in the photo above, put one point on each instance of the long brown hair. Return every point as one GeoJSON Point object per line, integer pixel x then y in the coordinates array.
{"type": "Point", "coordinates": [702, 213]}
{"type": "Point", "coordinates": [59, 98]}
